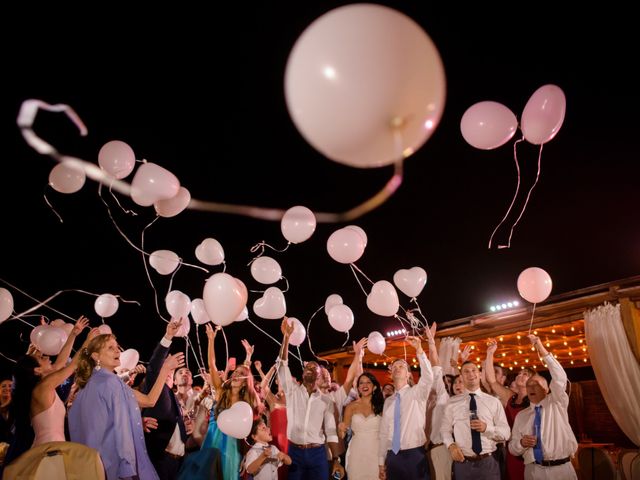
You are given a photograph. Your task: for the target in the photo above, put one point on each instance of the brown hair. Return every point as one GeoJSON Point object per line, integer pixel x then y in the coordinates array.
{"type": "Point", "coordinates": [247, 394]}
{"type": "Point", "coordinates": [86, 364]}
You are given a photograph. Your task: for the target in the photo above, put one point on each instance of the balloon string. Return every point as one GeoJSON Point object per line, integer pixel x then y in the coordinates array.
{"type": "Point", "coordinates": [358, 280]}
{"type": "Point", "coordinates": [279, 344]}
{"type": "Point", "coordinates": [51, 207]}
{"type": "Point", "coordinates": [199, 346]}
{"type": "Point", "coordinates": [10, 359]}
{"type": "Point", "coordinates": [515, 157]}
{"type": "Point", "coordinates": [300, 357]}
{"type": "Point", "coordinates": [347, 339]}
{"type": "Point", "coordinates": [533, 311]}
{"type": "Point", "coordinates": [309, 336]}
{"type": "Point", "coordinates": [224, 266]}
{"type": "Point", "coordinates": [353, 265]}
{"type": "Point", "coordinates": [528, 195]}
{"type": "Point", "coordinates": [40, 304]}
{"type": "Point", "coordinates": [287, 282]}
{"type": "Point", "coordinates": [226, 348]}
{"type": "Point", "coordinates": [195, 356]}
{"type": "Point", "coordinates": [125, 210]}
{"type": "Point", "coordinates": [173, 275]}
{"type": "Point", "coordinates": [146, 269]}
{"type": "Point", "coordinates": [26, 118]}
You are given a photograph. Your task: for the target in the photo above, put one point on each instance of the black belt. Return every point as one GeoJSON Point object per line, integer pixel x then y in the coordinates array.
{"type": "Point", "coordinates": [553, 463]}
{"type": "Point", "coordinates": [306, 446]}
{"type": "Point", "coordinates": [477, 458]}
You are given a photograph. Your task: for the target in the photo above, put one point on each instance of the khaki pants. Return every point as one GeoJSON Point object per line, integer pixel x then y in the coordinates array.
{"type": "Point", "coordinates": [441, 461]}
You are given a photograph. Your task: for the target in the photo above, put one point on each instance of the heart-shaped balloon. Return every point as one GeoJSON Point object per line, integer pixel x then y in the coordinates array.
{"type": "Point", "coordinates": [237, 420]}
{"type": "Point", "coordinates": [271, 305]}
{"type": "Point", "coordinates": [383, 299]}
{"type": "Point", "coordinates": [224, 298]}
{"type": "Point", "coordinates": [410, 282]}
{"type": "Point", "coordinates": [210, 252]}
{"type": "Point", "coordinates": [128, 359]}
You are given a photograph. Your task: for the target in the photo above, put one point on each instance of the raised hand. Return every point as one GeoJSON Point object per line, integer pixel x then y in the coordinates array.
{"type": "Point", "coordinates": [172, 328]}
{"type": "Point", "coordinates": [258, 365]}
{"type": "Point", "coordinates": [464, 356]}
{"type": "Point", "coordinates": [247, 347]}
{"type": "Point", "coordinates": [492, 346]}
{"type": "Point", "coordinates": [211, 332]}
{"type": "Point", "coordinates": [533, 339]}
{"type": "Point", "coordinates": [140, 368]}
{"type": "Point", "coordinates": [81, 324]}
{"type": "Point", "coordinates": [358, 347]}
{"type": "Point", "coordinates": [286, 328]}
{"type": "Point", "coordinates": [415, 343]}
{"type": "Point", "coordinates": [174, 361]}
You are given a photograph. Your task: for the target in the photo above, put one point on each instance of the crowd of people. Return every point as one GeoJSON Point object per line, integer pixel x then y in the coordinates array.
{"type": "Point", "coordinates": [151, 422]}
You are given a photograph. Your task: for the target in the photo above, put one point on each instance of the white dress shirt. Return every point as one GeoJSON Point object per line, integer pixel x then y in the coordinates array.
{"type": "Point", "coordinates": [456, 422]}
{"type": "Point", "coordinates": [413, 408]}
{"type": "Point", "coordinates": [558, 440]}
{"type": "Point", "coordinates": [442, 398]}
{"type": "Point", "coordinates": [269, 469]}
{"type": "Point", "coordinates": [309, 417]}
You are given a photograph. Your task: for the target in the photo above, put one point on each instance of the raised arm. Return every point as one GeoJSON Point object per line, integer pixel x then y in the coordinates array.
{"type": "Point", "coordinates": [504, 394]}
{"type": "Point", "coordinates": [434, 358]}
{"type": "Point", "coordinates": [287, 329]}
{"type": "Point", "coordinates": [63, 356]}
{"type": "Point", "coordinates": [248, 348]}
{"type": "Point", "coordinates": [216, 383]}
{"type": "Point", "coordinates": [148, 400]}
{"type": "Point", "coordinates": [558, 375]}
{"type": "Point", "coordinates": [355, 369]}
{"type": "Point", "coordinates": [426, 373]}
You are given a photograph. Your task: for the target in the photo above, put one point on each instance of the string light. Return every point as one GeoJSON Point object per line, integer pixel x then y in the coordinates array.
{"type": "Point", "coordinates": [553, 330]}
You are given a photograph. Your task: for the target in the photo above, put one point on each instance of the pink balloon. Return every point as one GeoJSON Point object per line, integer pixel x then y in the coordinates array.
{"type": "Point", "coordinates": [271, 305]}
{"type": "Point", "coordinates": [543, 114]}
{"type": "Point", "coordinates": [237, 420]}
{"type": "Point", "coordinates": [376, 343]}
{"type": "Point", "coordinates": [6, 304]}
{"type": "Point", "coordinates": [152, 183]}
{"type": "Point", "coordinates": [106, 305]}
{"type": "Point", "coordinates": [50, 340]}
{"type": "Point", "coordinates": [410, 282]}
{"type": "Point", "coordinates": [210, 252]}
{"type": "Point", "coordinates": [383, 299]}
{"type": "Point", "coordinates": [178, 304]}
{"type": "Point", "coordinates": [105, 329]}
{"type": "Point", "coordinates": [185, 327]}
{"type": "Point", "coordinates": [266, 270]}
{"type": "Point", "coordinates": [365, 85]}
{"type": "Point", "coordinates": [345, 245]}
{"type": "Point", "coordinates": [244, 314]}
{"type": "Point", "coordinates": [117, 158]}
{"type": "Point", "coordinates": [66, 179]}
{"type": "Point", "coordinates": [362, 233]}
{"type": "Point", "coordinates": [298, 224]}
{"type": "Point", "coordinates": [198, 312]}
{"type": "Point", "coordinates": [299, 332]}
{"type": "Point", "coordinates": [534, 284]}
{"type": "Point", "coordinates": [488, 125]}
{"type": "Point", "coordinates": [341, 318]}
{"type": "Point", "coordinates": [224, 298]}
{"type": "Point", "coordinates": [173, 206]}
{"type": "Point", "coordinates": [332, 300]}
{"type": "Point", "coordinates": [128, 359]}
{"type": "Point", "coordinates": [164, 261]}
{"type": "Point", "coordinates": [35, 334]}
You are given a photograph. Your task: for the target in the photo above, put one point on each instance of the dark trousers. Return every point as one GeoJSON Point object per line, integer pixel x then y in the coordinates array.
{"type": "Point", "coordinates": [167, 466]}
{"type": "Point", "coordinates": [484, 469]}
{"type": "Point", "coordinates": [308, 463]}
{"type": "Point", "coordinates": [408, 464]}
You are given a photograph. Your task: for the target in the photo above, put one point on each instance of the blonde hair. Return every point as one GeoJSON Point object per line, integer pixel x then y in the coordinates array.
{"type": "Point", "coordinates": [247, 393]}
{"type": "Point", "coordinates": [86, 364]}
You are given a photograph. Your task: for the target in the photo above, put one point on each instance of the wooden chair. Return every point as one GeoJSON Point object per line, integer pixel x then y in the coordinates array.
{"type": "Point", "coordinates": [595, 464]}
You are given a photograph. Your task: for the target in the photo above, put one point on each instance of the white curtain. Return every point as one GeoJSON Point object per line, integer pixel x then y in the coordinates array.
{"type": "Point", "coordinates": [615, 366]}
{"type": "Point", "coordinates": [449, 351]}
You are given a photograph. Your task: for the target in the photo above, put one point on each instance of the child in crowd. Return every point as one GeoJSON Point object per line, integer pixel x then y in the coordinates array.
{"type": "Point", "coordinates": [262, 460]}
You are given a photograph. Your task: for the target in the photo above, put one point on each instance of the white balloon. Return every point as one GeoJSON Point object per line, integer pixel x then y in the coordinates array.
{"type": "Point", "coordinates": [178, 304]}
{"type": "Point", "coordinates": [67, 327]}
{"type": "Point", "coordinates": [173, 206]}
{"type": "Point", "coordinates": [244, 314]}
{"type": "Point", "coordinates": [299, 332]}
{"type": "Point", "coordinates": [106, 305]}
{"type": "Point", "coordinates": [376, 343]}
{"type": "Point", "coordinates": [534, 284]}
{"type": "Point", "coordinates": [51, 340]}
{"type": "Point", "coordinates": [224, 298]}
{"type": "Point", "coordinates": [128, 359]}
{"type": "Point", "coordinates": [210, 252]}
{"type": "Point", "coordinates": [64, 178]}
{"type": "Point", "coordinates": [271, 305]}
{"type": "Point", "coordinates": [164, 261]}
{"type": "Point", "coordinates": [332, 300]}
{"type": "Point", "coordinates": [105, 329]}
{"type": "Point", "coordinates": [410, 282]}
{"type": "Point", "coordinates": [341, 318]}
{"type": "Point", "coordinates": [298, 224]}
{"type": "Point", "coordinates": [237, 420]}
{"type": "Point", "coordinates": [345, 245]}
{"type": "Point", "coordinates": [117, 158]}
{"type": "Point", "coordinates": [198, 312]}
{"type": "Point", "coordinates": [362, 233]}
{"type": "Point", "coordinates": [383, 299]}
{"type": "Point", "coordinates": [152, 183]}
{"type": "Point", "coordinates": [6, 304]}
{"type": "Point", "coordinates": [266, 270]}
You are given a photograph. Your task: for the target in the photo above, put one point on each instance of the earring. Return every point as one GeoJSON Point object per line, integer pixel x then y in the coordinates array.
{"type": "Point", "coordinates": [97, 367]}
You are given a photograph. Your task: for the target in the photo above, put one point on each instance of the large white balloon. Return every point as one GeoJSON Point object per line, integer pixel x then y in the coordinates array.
{"type": "Point", "coordinates": [410, 282]}
{"type": "Point", "coordinates": [365, 85]}
{"type": "Point", "coordinates": [266, 270]}
{"type": "Point", "coordinates": [164, 261]}
{"type": "Point", "coordinates": [383, 299]}
{"type": "Point", "coordinates": [210, 252]}
{"type": "Point", "coordinates": [236, 421]}
{"type": "Point", "coordinates": [224, 298]}
{"type": "Point", "coordinates": [106, 305]}
{"type": "Point", "coordinates": [376, 343]}
{"type": "Point", "coordinates": [178, 304]}
{"type": "Point", "coordinates": [534, 284]}
{"type": "Point", "coordinates": [50, 340]}
{"type": "Point", "coordinates": [6, 304]}
{"type": "Point", "coordinates": [298, 224]}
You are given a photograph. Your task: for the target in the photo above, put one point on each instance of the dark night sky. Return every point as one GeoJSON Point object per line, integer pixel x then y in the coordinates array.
{"type": "Point", "coordinates": [202, 95]}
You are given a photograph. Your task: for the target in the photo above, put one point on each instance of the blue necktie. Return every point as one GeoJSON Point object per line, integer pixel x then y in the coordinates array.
{"type": "Point", "coordinates": [395, 442]}
{"type": "Point", "coordinates": [476, 442]}
{"type": "Point", "coordinates": [537, 449]}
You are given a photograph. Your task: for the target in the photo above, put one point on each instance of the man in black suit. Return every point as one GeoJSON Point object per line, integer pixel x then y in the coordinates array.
{"type": "Point", "coordinates": [167, 435]}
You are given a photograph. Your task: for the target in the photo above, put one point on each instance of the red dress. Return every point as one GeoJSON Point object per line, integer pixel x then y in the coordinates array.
{"type": "Point", "coordinates": [515, 465]}
{"type": "Point", "coordinates": [278, 423]}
